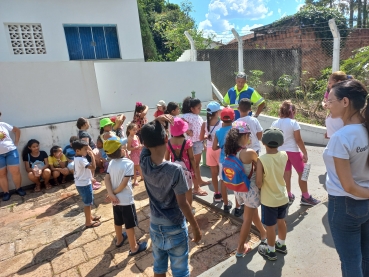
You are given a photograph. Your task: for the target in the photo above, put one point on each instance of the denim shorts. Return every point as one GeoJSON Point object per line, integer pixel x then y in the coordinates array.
{"type": "Point", "coordinates": [86, 194]}
{"type": "Point", "coordinates": [10, 158]}
{"type": "Point", "coordinates": [198, 146]}
{"type": "Point", "coordinates": [170, 242]}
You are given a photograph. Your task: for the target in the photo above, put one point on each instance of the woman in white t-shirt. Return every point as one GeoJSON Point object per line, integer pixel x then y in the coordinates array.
{"type": "Point", "coordinates": [293, 143]}
{"type": "Point", "coordinates": [9, 160]}
{"type": "Point", "coordinates": [347, 160]}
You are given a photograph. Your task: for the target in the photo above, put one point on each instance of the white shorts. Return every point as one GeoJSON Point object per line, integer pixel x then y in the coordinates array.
{"type": "Point", "coordinates": [251, 198]}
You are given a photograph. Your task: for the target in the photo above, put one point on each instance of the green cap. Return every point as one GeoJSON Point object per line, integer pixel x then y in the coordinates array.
{"type": "Point", "coordinates": [273, 137]}
{"type": "Point", "coordinates": [105, 122]}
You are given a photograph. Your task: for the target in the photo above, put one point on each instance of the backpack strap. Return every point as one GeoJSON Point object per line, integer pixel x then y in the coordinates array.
{"type": "Point", "coordinates": [214, 126]}
{"type": "Point", "coordinates": [181, 152]}
{"type": "Point", "coordinates": [171, 149]}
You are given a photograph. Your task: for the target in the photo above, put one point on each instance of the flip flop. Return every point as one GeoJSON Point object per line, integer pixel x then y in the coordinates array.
{"type": "Point", "coordinates": [37, 188]}
{"type": "Point", "coordinates": [141, 247]}
{"type": "Point", "coordinates": [93, 225]}
{"type": "Point", "coordinates": [125, 237]}
{"type": "Point", "coordinates": [48, 186]}
{"type": "Point", "coordinates": [200, 193]}
{"type": "Point", "coordinates": [96, 218]}
{"type": "Point", "coordinates": [96, 185]}
{"type": "Point", "coordinates": [247, 249]}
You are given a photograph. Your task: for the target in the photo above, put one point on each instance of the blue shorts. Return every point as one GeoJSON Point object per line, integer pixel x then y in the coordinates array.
{"type": "Point", "coordinates": [10, 158]}
{"type": "Point", "coordinates": [170, 242]}
{"type": "Point", "coordinates": [86, 194]}
{"type": "Point", "coordinates": [198, 147]}
{"type": "Point", "coordinates": [270, 215]}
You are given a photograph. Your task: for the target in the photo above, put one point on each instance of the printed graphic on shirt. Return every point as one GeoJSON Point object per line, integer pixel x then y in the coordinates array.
{"type": "Point", "coordinates": [2, 135]}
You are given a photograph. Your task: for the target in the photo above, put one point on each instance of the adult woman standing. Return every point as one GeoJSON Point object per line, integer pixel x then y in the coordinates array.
{"type": "Point", "coordinates": [347, 160]}
{"type": "Point", "coordinates": [9, 160]}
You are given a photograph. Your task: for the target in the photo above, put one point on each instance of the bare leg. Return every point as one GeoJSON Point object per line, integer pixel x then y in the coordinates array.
{"type": "Point", "coordinates": [257, 222]}
{"type": "Point", "coordinates": [271, 235]}
{"type": "Point", "coordinates": [197, 170]}
{"type": "Point", "coordinates": [135, 183]}
{"type": "Point", "coordinates": [245, 229]}
{"type": "Point", "coordinates": [118, 234]}
{"type": "Point", "coordinates": [4, 180]}
{"type": "Point", "coordinates": [237, 204]}
{"type": "Point", "coordinates": [34, 179]}
{"type": "Point", "coordinates": [46, 174]}
{"type": "Point", "coordinates": [214, 177]}
{"type": "Point", "coordinates": [87, 210]}
{"type": "Point", "coordinates": [287, 178]}
{"type": "Point", "coordinates": [282, 229]}
{"type": "Point", "coordinates": [56, 174]}
{"type": "Point", "coordinates": [17, 178]}
{"type": "Point", "coordinates": [224, 192]}
{"type": "Point", "coordinates": [303, 184]}
{"type": "Point", "coordinates": [132, 239]}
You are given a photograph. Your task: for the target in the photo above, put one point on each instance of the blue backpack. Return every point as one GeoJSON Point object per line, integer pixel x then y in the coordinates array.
{"type": "Point", "coordinates": [234, 176]}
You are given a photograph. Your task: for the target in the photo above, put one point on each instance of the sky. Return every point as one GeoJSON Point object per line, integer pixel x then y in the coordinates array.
{"type": "Point", "coordinates": [218, 17]}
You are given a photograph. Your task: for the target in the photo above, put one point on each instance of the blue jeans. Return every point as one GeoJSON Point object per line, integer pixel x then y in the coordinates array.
{"type": "Point", "coordinates": [349, 222]}
{"type": "Point", "coordinates": [170, 242]}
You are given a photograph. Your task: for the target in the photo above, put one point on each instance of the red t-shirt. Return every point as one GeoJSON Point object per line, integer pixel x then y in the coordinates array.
{"type": "Point", "coordinates": [158, 113]}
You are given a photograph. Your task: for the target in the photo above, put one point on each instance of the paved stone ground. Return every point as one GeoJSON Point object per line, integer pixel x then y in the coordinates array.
{"type": "Point", "coordinates": [43, 234]}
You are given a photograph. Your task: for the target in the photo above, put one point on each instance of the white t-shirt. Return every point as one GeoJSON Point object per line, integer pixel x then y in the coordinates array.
{"type": "Point", "coordinates": [118, 169]}
{"type": "Point", "coordinates": [255, 127]}
{"type": "Point", "coordinates": [82, 174]}
{"type": "Point", "coordinates": [194, 123]}
{"type": "Point", "coordinates": [212, 131]}
{"type": "Point", "coordinates": [349, 143]}
{"type": "Point", "coordinates": [333, 125]}
{"type": "Point", "coordinates": [6, 142]}
{"type": "Point", "coordinates": [288, 127]}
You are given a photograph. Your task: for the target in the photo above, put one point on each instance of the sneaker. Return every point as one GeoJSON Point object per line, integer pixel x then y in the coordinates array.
{"type": "Point", "coordinates": [263, 242]}
{"type": "Point", "coordinates": [280, 248]}
{"type": "Point", "coordinates": [6, 196]}
{"type": "Point", "coordinates": [238, 212]}
{"type": "Point", "coordinates": [20, 192]}
{"type": "Point", "coordinates": [291, 199]}
{"type": "Point", "coordinates": [227, 208]}
{"type": "Point", "coordinates": [311, 201]}
{"type": "Point", "coordinates": [218, 197]}
{"type": "Point", "coordinates": [264, 251]}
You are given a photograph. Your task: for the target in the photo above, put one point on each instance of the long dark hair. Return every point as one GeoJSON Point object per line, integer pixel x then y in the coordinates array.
{"type": "Point", "coordinates": [189, 103]}
{"type": "Point", "coordinates": [231, 146]}
{"type": "Point", "coordinates": [209, 117]}
{"type": "Point", "coordinates": [26, 149]}
{"type": "Point", "coordinates": [356, 92]}
{"type": "Point", "coordinates": [54, 149]}
{"type": "Point", "coordinates": [139, 108]}
{"type": "Point", "coordinates": [171, 107]}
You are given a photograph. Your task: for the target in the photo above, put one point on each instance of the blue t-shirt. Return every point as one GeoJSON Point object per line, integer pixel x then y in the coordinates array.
{"type": "Point", "coordinates": [163, 182]}
{"type": "Point", "coordinates": [221, 136]}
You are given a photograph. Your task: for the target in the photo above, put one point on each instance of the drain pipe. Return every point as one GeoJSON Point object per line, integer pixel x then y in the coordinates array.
{"type": "Point", "coordinates": [336, 45]}
{"type": "Point", "coordinates": [193, 48]}
{"type": "Point", "coordinates": [217, 93]}
{"type": "Point", "coordinates": [240, 50]}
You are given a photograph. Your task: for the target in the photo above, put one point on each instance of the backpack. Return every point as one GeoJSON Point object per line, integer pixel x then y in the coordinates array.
{"type": "Point", "coordinates": [178, 160]}
{"type": "Point", "coordinates": [234, 176]}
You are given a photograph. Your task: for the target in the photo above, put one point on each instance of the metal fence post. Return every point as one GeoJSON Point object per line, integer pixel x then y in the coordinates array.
{"type": "Point", "coordinates": [240, 50]}
{"type": "Point", "coordinates": [336, 45]}
{"type": "Point", "coordinates": [193, 48]}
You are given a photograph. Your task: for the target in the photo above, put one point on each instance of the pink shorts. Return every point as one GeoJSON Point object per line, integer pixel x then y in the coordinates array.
{"type": "Point", "coordinates": [295, 160]}
{"type": "Point", "coordinates": [212, 157]}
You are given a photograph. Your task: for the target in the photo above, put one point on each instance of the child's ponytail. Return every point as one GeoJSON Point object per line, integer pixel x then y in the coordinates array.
{"type": "Point", "coordinates": [286, 109]}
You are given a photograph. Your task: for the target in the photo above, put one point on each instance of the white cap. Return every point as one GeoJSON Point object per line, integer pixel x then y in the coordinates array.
{"type": "Point", "coordinates": [161, 103]}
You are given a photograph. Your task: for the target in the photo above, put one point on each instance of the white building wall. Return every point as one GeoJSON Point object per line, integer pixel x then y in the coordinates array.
{"type": "Point", "coordinates": [53, 14]}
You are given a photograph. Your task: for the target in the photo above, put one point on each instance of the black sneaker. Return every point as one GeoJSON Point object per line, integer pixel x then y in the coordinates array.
{"type": "Point", "coordinates": [311, 201]}
{"type": "Point", "coordinates": [263, 242]}
{"type": "Point", "coordinates": [218, 197]}
{"type": "Point", "coordinates": [227, 208]}
{"type": "Point", "coordinates": [291, 199]}
{"type": "Point", "coordinates": [238, 212]}
{"type": "Point", "coordinates": [20, 192]}
{"type": "Point", "coordinates": [280, 248]}
{"type": "Point", "coordinates": [6, 196]}
{"type": "Point", "coordinates": [264, 251]}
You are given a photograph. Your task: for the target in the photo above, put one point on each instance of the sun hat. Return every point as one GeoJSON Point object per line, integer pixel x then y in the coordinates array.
{"type": "Point", "coordinates": [213, 107]}
{"type": "Point", "coordinates": [113, 144]}
{"type": "Point", "coordinates": [179, 127]}
{"type": "Point", "coordinates": [161, 103]}
{"type": "Point", "coordinates": [242, 127]}
{"type": "Point", "coordinates": [227, 114]}
{"type": "Point", "coordinates": [273, 137]}
{"type": "Point", "coordinates": [105, 122]}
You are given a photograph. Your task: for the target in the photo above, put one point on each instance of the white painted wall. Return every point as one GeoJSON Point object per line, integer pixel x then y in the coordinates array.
{"type": "Point", "coordinates": [53, 14]}
{"type": "Point", "coordinates": [121, 84]}
{"type": "Point", "coordinates": [40, 93]}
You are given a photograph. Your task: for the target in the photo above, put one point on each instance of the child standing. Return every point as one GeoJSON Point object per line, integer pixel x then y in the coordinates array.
{"type": "Point", "coordinates": [69, 152]}
{"type": "Point", "coordinates": [139, 117]}
{"type": "Point", "coordinates": [119, 187]}
{"type": "Point", "coordinates": [58, 164]}
{"type": "Point", "coordinates": [274, 197]}
{"type": "Point", "coordinates": [292, 144]}
{"type": "Point", "coordinates": [82, 176]}
{"type": "Point", "coordinates": [236, 141]}
{"type": "Point", "coordinates": [134, 145]}
{"type": "Point", "coordinates": [244, 107]}
{"type": "Point", "coordinates": [227, 116]}
{"type": "Point", "coordinates": [172, 109]}
{"type": "Point", "coordinates": [191, 109]}
{"type": "Point", "coordinates": [160, 108]}
{"type": "Point", "coordinates": [181, 148]}
{"type": "Point", "coordinates": [209, 128]}
{"type": "Point", "coordinates": [167, 187]}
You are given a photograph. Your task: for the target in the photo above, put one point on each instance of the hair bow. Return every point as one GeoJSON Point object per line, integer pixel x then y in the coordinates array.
{"type": "Point", "coordinates": [138, 104]}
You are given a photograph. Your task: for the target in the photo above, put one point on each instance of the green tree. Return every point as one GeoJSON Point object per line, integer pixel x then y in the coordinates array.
{"type": "Point", "coordinates": [148, 43]}
{"type": "Point", "coordinates": [358, 64]}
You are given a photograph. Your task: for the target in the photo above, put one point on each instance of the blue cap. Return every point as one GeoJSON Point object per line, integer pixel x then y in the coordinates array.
{"type": "Point", "coordinates": [213, 107]}
{"type": "Point", "coordinates": [123, 141]}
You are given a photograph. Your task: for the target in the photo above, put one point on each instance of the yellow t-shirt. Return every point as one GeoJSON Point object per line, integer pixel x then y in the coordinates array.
{"type": "Point", "coordinates": [274, 191]}
{"type": "Point", "coordinates": [54, 162]}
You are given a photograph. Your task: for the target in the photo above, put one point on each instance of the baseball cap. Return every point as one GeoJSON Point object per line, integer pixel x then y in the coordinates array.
{"type": "Point", "coordinates": [227, 114]}
{"type": "Point", "coordinates": [179, 127]}
{"type": "Point", "coordinates": [161, 103]}
{"type": "Point", "coordinates": [113, 144]}
{"type": "Point", "coordinates": [105, 122]}
{"type": "Point", "coordinates": [273, 137]}
{"type": "Point", "coordinates": [241, 75]}
{"type": "Point", "coordinates": [242, 127]}
{"type": "Point", "coordinates": [213, 107]}
{"type": "Point", "coordinates": [113, 118]}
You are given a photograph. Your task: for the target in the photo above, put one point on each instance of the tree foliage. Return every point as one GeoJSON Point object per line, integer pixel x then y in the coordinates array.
{"type": "Point", "coordinates": [358, 64]}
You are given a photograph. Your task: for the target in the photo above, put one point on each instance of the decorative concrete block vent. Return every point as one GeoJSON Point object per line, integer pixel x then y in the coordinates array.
{"type": "Point", "coordinates": [26, 39]}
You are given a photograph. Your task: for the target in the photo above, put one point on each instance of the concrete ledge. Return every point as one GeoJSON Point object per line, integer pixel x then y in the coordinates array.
{"type": "Point", "coordinates": [311, 134]}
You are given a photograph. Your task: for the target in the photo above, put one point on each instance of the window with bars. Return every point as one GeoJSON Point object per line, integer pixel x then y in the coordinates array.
{"type": "Point", "coordinates": [92, 42]}
{"type": "Point", "coordinates": [26, 39]}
